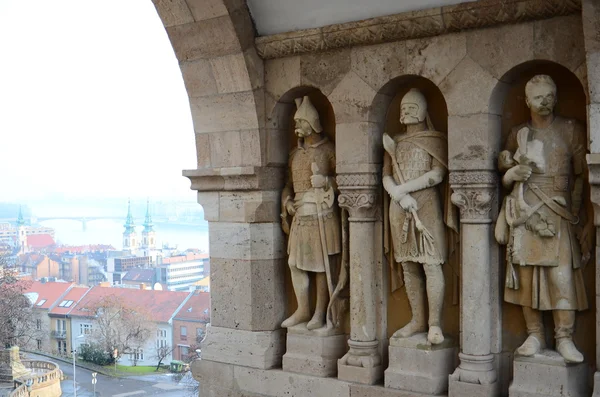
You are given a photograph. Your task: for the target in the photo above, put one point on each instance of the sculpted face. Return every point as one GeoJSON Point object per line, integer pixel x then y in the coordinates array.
{"type": "Point", "coordinates": [409, 113]}
{"type": "Point", "coordinates": [303, 128]}
{"type": "Point", "coordinates": [541, 98]}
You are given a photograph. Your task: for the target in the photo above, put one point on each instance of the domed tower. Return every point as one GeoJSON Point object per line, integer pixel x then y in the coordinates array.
{"type": "Point", "coordinates": [148, 235]}
{"type": "Point", "coordinates": [130, 240]}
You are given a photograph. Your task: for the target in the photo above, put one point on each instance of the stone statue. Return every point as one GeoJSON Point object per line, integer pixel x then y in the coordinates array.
{"type": "Point", "coordinates": [309, 199]}
{"type": "Point", "coordinates": [539, 221]}
{"type": "Point", "coordinates": [415, 167]}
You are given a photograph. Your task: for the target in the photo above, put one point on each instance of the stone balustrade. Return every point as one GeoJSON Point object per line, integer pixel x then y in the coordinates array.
{"type": "Point", "coordinates": [45, 375]}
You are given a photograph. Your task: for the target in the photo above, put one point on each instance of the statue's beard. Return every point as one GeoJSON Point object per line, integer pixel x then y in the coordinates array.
{"type": "Point", "coordinates": [544, 110]}
{"type": "Point", "coordinates": [408, 119]}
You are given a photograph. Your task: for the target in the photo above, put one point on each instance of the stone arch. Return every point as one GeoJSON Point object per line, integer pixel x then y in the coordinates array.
{"type": "Point", "coordinates": [223, 75]}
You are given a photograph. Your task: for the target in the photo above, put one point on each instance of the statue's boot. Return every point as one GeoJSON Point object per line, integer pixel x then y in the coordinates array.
{"type": "Point", "coordinates": [300, 282]}
{"type": "Point", "coordinates": [413, 282]}
{"type": "Point", "coordinates": [564, 321]}
{"type": "Point", "coordinates": [435, 299]}
{"type": "Point", "coordinates": [318, 319]}
{"type": "Point", "coordinates": [536, 340]}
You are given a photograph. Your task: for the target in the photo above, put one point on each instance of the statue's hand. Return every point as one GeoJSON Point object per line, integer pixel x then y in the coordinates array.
{"type": "Point", "coordinates": [318, 181]}
{"type": "Point", "coordinates": [586, 241]}
{"type": "Point", "coordinates": [408, 203]}
{"type": "Point", "coordinates": [289, 207]}
{"type": "Point", "coordinates": [519, 173]}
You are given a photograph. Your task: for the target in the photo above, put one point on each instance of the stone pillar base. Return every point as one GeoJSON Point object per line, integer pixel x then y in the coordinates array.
{"type": "Point", "coordinates": [256, 349]}
{"type": "Point", "coordinates": [547, 375]}
{"type": "Point", "coordinates": [362, 364]}
{"type": "Point", "coordinates": [457, 388]}
{"type": "Point", "coordinates": [312, 352]}
{"type": "Point", "coordinates": [416, 365]}
{"type": "Point", "coordinates": [596, 384]}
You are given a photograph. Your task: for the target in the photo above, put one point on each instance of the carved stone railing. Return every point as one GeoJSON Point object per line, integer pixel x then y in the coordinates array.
{"type": "Point", "coordinates": [50, 376]}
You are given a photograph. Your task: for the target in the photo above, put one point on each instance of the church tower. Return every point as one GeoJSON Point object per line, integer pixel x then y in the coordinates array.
{"type": "Point", "coordinates": [148, 235]}
{"type": "Point", "coordinates": [21, 233]}
{"type": "Point", "coordinates": [130, 241]}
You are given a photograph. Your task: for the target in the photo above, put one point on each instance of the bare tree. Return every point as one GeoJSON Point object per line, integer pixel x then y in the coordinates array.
{"type": "Point", "coordinates": [162, 353]}
{"type": "Point", "coordinates": [16, 313]}
{"type": "Point", "coordinates": [121, 326]}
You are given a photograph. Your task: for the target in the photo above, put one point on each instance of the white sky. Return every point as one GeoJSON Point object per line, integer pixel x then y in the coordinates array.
{"type": "Point", "coordinates": [92, 102]}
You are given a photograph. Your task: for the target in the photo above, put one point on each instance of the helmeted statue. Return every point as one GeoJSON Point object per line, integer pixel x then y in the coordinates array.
{"type": "Point", "coordinates": [309, 199]}
{"type": "Point", "coordinates": [420, 213]}
{"type": "Point", "coordinates": [539, 221]}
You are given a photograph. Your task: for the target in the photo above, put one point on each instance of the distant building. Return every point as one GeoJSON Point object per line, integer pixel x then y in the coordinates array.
{"type": "Point", "coordinates": [182, 272]}
{"type": "Point", "coordinates": [140, 278]}
{"type": "Point", "coordinates": [189, 325]}
{"type": "Point", "coordinates": [148, 235]}
{"type": "Point", "coordinates": [38, 266]}
{"type": "Point", "coordinates": [130, 239]}
{"type": "Point", "coordinates": [19, 234]}
{"type": "Point", "coordinates": [119, 265]}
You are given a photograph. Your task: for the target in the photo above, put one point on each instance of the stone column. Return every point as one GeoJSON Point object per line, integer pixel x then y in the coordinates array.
{"type": "Point", "coordinates": [593, 161]}
{"type": "Point", "coordinates": [362, 363]}
{"type": "Point", "coordinates": [475, 194]}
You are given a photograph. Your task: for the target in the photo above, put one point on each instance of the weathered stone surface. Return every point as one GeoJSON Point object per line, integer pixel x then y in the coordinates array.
{"type": "Point", "coordinates": [352, 99]}
{"type": "Point", "coordinates": [279, 383]}
{"type": "Point", "coordinates": [247, 294]}
{"type": "Point", "coordinates": [378, 64]}
{"type": "Point", "coordinates": [314, 355]}
{"type": "Point", "coordinates": [198, 78]}
{"type": "Point", "coordinates": [203, 150]}
{"type": "Point", "coordinates": [593, 76]}
{"type": "Point", "coordinates": [464, 389]}
{"type": "Point", "coordinates": [250, 349]}
{"type": "Point", "coordinates": [281, 75]}
{"type": "Point", "coordinates": [358, 143]}
{"type": "Point", "coordinates": [247, 241]}
{"type": "Point", "coordinates": [255, 67]}
{"type": "Point", "coordinates": [469, 77]}
{"type": "Point", "coordinates": [252, 143]}
{"type": "Point", "coordinates": [230, 73]}
{"type": "Point", "coordinates": [559, 39]}
{"type": "Point", "coordinates": [225, 149]}
{"type": "Point", "coordinates": [207, 9]}
{"type": "Point", "coordinates": [277, 143]}
{"type": "Point", "coordinates": [213, 372]}
{"type": "Point", "coordinates": [420, 367]}
{"type": "Point", "coordinates": [206, 39]}
{"type": "Point", "coordinates": [173, 12]}
{"type": "Point", "coordinates": [210, 204]}
{"type": "Point", "coordinates": [434, 58]}
{"type": "Point", "coordinates": [594, 127]}
{"type": "Point", "coordinates": [590, 14]}
{"type": "Point", "coordinates": [473, 141]}
{"type": "Point", "coordinates": [499, 49]}
{"type": "Point", "coordinates": [228, 112]}
{"type": "Point", "coordinates": [325, 70]}
{"type": "Point", "coordinates": [547, 375]}
{"type": "Point", "coordinates": [252, 207]}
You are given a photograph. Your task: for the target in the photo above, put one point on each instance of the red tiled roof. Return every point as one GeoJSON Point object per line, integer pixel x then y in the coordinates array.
{"type": "Point", "coordinates": [51, 292]}
{"type": "Point", "coordinates": [196, 308]}
{"type": "Point", "coordinates": [40, 241]}
{"type": "Point", "coordinates": [74, 294]}
{"type": "Point", "coordinates": [160, 305]}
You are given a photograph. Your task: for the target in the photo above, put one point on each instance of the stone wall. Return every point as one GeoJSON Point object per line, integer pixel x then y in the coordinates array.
{"type": "Point", "coordinates": [472, 69]}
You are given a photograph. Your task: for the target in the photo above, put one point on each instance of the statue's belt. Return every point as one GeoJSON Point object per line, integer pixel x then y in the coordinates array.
{"type": "Point", "coordinates": [553, 205]}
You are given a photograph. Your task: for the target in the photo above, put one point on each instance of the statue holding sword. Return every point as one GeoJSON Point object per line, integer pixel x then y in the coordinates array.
{"type": "Point", "coordinates": [312, 220]}
{"type": "Point", "coordinates": [420, 215]}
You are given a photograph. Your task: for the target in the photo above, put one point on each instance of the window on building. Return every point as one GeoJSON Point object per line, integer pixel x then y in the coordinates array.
{"type": "Point", "coordinates": [85, 329]}
{"type": "Point", "coordinates": [183, 333]}
{"type": "Point", "coordinates": [184, 351]}
{"type": "Point", "coordinates": [40, 303]}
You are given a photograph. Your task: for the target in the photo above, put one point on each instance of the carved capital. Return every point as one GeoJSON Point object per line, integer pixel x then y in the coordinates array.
{"type": "Point", "coordinates": [360, 203]}
{"type": "Point", "coordinates": [474, 193]}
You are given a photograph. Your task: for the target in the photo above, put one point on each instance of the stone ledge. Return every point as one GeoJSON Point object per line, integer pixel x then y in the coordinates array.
{"type": "Point", "coordinates": [411, 25]}
{"type": "Point", "coordinates": [236, 178]}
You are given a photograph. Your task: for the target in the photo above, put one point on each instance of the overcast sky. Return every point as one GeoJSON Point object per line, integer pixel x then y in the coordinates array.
{"type": "Point", "coordinates": [92, 102]}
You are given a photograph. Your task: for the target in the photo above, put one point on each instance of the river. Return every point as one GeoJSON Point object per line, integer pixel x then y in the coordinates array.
{"type": "Point", "coordinates": [102, 231]}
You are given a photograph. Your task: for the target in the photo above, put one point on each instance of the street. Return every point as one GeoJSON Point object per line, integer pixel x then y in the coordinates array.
{"type": "Point", "coordinates": [164, 385]}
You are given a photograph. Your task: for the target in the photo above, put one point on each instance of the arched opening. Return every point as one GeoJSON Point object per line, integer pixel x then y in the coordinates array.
{"type": "Point", "coordinates": [387, 115]}
{"type": "Point", "coordinates": [509, 97]}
